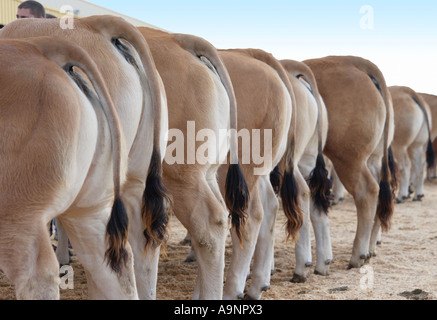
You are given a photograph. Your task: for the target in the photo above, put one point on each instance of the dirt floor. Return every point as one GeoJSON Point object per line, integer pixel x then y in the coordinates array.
{"type": "Point", "coordinates": [404, 268]}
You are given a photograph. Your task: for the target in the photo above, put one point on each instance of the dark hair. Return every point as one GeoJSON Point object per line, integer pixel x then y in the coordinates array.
{"type": "Point", "coordinates": [1, 26]}
{"type": "Point", "coordinates": [35, 7]}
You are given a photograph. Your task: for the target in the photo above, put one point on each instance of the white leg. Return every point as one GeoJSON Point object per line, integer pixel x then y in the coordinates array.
{"type": "Point", "coordinates": [418, 167]}
{"type": "Point", "coordinates": [303, 244]}
{"type": "Point", "coordinates": [320, 221]}
{"type": "Point", "coordinates": [87, 235]}
{"type": "Point", "coordinates": [62, 251]}
{"type": "Point", "coordinates": [242, 255]}
{"type": "Point", "coordinates": [264, 252]}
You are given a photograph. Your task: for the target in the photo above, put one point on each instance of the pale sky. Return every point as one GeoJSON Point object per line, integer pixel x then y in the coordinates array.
{"type": "Point", "coordinates": [399, 36]}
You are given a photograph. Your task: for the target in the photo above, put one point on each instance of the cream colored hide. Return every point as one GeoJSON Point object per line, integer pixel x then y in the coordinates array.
{"type": "Point", "coordinates": [201, 101]}
{"type": "Point", "coordinates": [311, 134]}
{"type": "Point", "coordinates": [411, 138]}
{"type": "Point", "coordinates": [124, 60]}
{"type": "Point", "coordinates": [264, 102]}
{"type": "Point", "coordinates": [53, 137]}
{"type": "Point", "coordinates": [361, 125]}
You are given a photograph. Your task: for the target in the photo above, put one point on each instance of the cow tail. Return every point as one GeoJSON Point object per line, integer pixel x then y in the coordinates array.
{"type": "Point", "coordinates": [289, 190]}
{"type": "Point", "coordinates": [385, 208]}
{"type": "Point", "coordinates": [236, 190]}
{"type": "Point", "coordinates": [275, 179]}
{"type": "Point", "coordinates": [156, 201]}
{"type": "Point", "coordinates": [394, 183]}
{"type": "Point", "coordinates": [318, 180]}
{"type": "Point", "coordinates": [69, 56]}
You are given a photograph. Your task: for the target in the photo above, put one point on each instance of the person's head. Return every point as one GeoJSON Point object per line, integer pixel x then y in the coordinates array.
{"type": "Point", "coordinates": [30, 9]}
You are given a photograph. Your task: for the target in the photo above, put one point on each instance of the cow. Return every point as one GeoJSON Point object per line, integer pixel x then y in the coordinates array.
{"type": "Point", "coordinates": [52, 138]}
{"type": "Point", "coordinates": [266, 105]}
{"type": "Point", "coordinates": [201, 103]}
{"type": "Point", "coordinates": [431, 100]}
{"type": "Point", "coordinates": [126, 64]}
{"type": "Point", "coordinates": [361, 128]}
{"type": "Point", "coordinates": [411, 141]}
{"type": "Point", "coordinates": [311, 134]}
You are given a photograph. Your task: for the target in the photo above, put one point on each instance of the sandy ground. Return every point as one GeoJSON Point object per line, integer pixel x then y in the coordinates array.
{"type": "Point", "coordinates": [404, 268]}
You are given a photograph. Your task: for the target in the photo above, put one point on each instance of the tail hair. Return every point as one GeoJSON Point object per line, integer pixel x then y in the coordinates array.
{"type": "Point", "coordinates": [117, 233]}
{"type": "Point", "coordinates": [291, 205]}
{"type": "Point", "coordinates": [157, 206]}
{"type": "Point", "coordinates": [275, 179]}
{"type": "Point", "coordinates": [320, 185]}
{"type": "Point", "coordinates": [430, 155]}
{"type": "Point", "coordinates": [237, 199]}
{"type": "Point", "coordinates": [385, 207]}
{"type": "Point", "coordinates": [394, 171]}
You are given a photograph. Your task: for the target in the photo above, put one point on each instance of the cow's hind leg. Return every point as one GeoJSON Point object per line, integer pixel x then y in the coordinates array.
{"type": "Point", "coordinates": [304, 258]}
{"type": "Point", "coordinates": [35, 269]}
{"type": "Point", "coordinates": [417, 170]}
{"type": "Point", "coordinates": [360, 183]}
{"type": "Point", "coordinates": [319, 218]}
{"type": "Point", "coordinates": [62, 251]}
{"type": "Point", "coordinates": [198, 209]}
{"type": "Point", "coordinates": [242, 253]}
{"type": "Point", "coordinates": [264, 251]}
{"type": "Point", "coordinates": [404, 166]}
{"type": "Point", "coordinates": [146, 258]}
{"type": "Point", "coordinates": [86, 229]}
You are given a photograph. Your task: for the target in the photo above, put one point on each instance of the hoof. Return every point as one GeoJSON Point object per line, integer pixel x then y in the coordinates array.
{"type": "Point", "coordinates": [354, 266]}
{"type": "Point", "coordinates": [248, 297]}
{"type": "Point", "coordinates": [405, 197]}
{"type": "Point", "coordinates": [266, 288]}
{"type": "Point", "coordinates": [418, 199]}
{"type": "Point", "coordinates": [373, 254]}
{"type": "Point", "coordinates": [308, 264]}
{"type": "Point", "coordinates": [190, 260]}
{"type": "Point", "coordinates": [329, 261]}
{"type": "Point", "coordinates": [241, 296]}
{"type": "Point", "coordinates": [378, 242]}
{"type": "Point", "coordinates": [298, 279]}
{"type": "Point", "coordinates": [324, 274]}
{"type": "Point", "coordinates": [399, 201]}
{"type": "Point", "coordinates": [336, 202]}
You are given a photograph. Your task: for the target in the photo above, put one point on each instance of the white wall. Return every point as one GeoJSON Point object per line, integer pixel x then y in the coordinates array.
{"type": "Point", "coordinates": [84, 8]}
